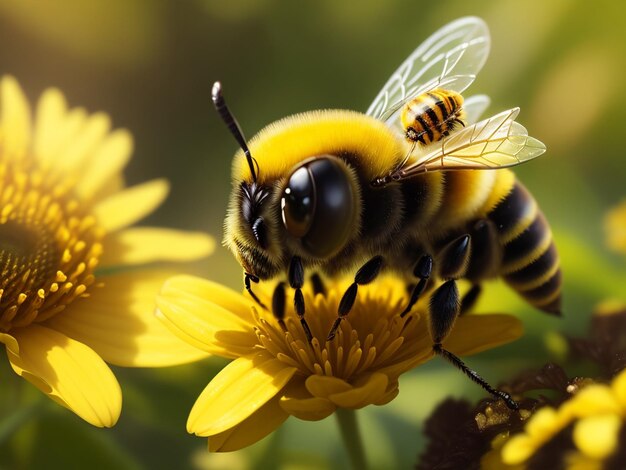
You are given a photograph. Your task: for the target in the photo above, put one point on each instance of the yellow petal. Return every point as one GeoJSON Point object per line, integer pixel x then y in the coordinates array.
{"type": "Point", "coordinates": [238, 391]}
{"type": "Point", "coordinates": [475, 333]}
{"type": "Point", "coordinates": [10, 342]}
{"type": "Point", "coordinates": [81, 143]}
{"type": "Point", "coordinates": [261, 423]}
{"type": "Point", "coordinates": [128, 206]}
{"type": "Point", "coordinates": [15, 123]}
{"type": "Point", "coordinates": [597, 436]}
{"type": "Point", "coordinates": [297, 401]}
{"type": "Point", "coordinates": [518, 449]}
{"type": "Point", "coordinates": [594, 399]}
{"type": "Point", "coordinates": [226, 298]}
{"type": "Point", "coordinates": [50, 114]}
{"type": "Point", "coordinates": [117, 320]}
{"type": "Point", "coordinates": [106, 162]}
{"type": "Point", "coordinates": [69, 372]}
{"type": "Point", "coordinates": [545, 423]}
{"type": "Point", "coordinates": [324, 386]}
{"type": "Point", "coordinates": [366, 391]}
{"type": "Point", "coordinates": [148, 244]}
{"type": "Point", "coordinates": [63, 135]}
{"type": "Point", "coordinates": [204, 323]}
{"type": "Point", "coordinates": [619, 388]}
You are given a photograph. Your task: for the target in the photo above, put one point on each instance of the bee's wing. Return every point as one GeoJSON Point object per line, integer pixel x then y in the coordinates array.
{"type": "Point", "coordinates": [449, 59]}
{"type": "Point", "coordinates": [475, 106]}
{"type": "Point", "coordinates": [497, 142]}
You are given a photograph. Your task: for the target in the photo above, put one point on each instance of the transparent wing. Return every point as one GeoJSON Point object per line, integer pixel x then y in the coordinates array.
{"type": "Point", "coordinates": [497, 142]}
{"type": "Point", "coordinates": [475, 106]}
{"type": "Point", "coordinates": [449, 59]}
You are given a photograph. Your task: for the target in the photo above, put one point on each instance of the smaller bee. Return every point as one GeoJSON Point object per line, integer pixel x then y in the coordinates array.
{"type": "Point", "coordinates": [432, 116]}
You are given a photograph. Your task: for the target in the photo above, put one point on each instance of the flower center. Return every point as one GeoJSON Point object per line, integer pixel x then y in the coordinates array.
{"type": "Point", "coordinates": [371, 338]}
{"type": "Point", "coordinates": [49, 247]}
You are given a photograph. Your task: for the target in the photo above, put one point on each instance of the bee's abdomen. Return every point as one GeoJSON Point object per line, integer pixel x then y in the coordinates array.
{"type": "Point", "coordinates": [530, 263]}
{"type": "Point", "coordinates": [431, 116]}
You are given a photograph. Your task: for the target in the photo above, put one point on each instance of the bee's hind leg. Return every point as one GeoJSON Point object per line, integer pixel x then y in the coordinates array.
{"type": "Point", "coordinates": [445, 306]}
{"type": "Point", "coordinates": [296, 281]}
{"type": "Point", "coordinates": [366, 274]}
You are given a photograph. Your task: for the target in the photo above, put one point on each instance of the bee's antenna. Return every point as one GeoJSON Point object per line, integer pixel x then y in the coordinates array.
{"type": "Point", "coordinates": [233, 126]}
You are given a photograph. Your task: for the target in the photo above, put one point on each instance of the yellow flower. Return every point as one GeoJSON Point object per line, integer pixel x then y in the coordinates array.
{"type": "Point", "coordinates": [615, 228]}
{"type": "Point", "coordinates": [276, 373]}
{"type": "Point", "coordinates": [597, 413]}
{"type": "Point", "coordinates": [65, 304]}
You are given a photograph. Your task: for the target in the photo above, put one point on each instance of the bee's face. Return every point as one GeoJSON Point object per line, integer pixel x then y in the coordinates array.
{"type": "Point", "coordinates": [311, 213]}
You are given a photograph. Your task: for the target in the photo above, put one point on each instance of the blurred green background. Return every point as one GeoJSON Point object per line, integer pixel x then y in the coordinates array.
{"type": "Point", "coordinates": [150, 64]}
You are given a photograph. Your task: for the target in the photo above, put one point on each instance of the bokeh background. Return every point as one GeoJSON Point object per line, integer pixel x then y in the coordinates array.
{"type": "Point", "coordinates": [150, 64]}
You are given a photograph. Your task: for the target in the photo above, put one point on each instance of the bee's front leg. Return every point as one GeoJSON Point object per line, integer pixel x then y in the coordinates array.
{"type": "Point", "coordinates": [296, 281]}
{"type": "Point", "coordinates": [366, 274]}
{"type": "Point", "coordinates": [423, 269]}
{"type": "Point", "coordinates": [246, 281]}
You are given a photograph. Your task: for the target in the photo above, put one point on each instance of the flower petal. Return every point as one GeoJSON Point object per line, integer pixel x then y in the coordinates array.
{"type": "Point", "coordinates": [200, 288]}
{"type": "Point", "coordinates": [51, 110]}
{"type": "Point", "coordinates": [69, 372]}
{"type": "Point", "coordinates": [128, 206]}
{"type": "Point", "coordinates": [596, 436]}
{"type": "Point", "coordinates": [238, 391]}
{"type": "Point", "coordinates": [108, 160]}
{"type": "Point", "coordinates": [117, 320]}
{"type": "Point", "coordinates": [366, 391]}
{"type": "Point", "coordinates": [297, 401]}
{"type": "Point", "coordinates": [475, 333]}
{"type": "Point", "coordinates": [324, 386]}
{"type": "Point", "coordinates": [205, 323]}
{"type": "Point", "coordinates": [260, 423]}
{"type": "Point", "coordinates": [83, 135]}
{"type": "Point", "coordinates": [141, 245]}
{"type": "Point", "coordinates": [15, 121]}
{"type": "Point", "coordinates": [619, 388]}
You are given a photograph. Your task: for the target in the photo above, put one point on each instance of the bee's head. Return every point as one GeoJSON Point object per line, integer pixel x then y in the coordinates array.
{"type": "Point", "coordinates": [311, 210]}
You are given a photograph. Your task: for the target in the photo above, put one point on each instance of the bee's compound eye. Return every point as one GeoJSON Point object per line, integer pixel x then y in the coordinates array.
{"type": "Point", "coordinates": [318, 206]}
{"type": "Point", "coordinates": [298, 202]}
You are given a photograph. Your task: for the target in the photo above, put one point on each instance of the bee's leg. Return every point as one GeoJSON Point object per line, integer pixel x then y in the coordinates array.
{"type": "Point", "coordinates": [422, 271]}
{"type": "Point", "coordinates": [318, 284]}
{"type": "Point", "coordinates": [445, 306]}
{"type": "Point", "coordinates": [296, 281]}
{"type": "Point", "coordinates": [469, 299]}
{"type": "Point", "coordinates": [278, 304]}
{"type": "Point", "coordinates": [454, 258]}
{"type": "Point", "coordinates": [251, 277]}
{"type": "Point", "coordinates": [366, 274]}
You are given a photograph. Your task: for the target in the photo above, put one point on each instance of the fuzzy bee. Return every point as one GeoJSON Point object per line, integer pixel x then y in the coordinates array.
{"type": "Point", "coordinates": [416, 185]}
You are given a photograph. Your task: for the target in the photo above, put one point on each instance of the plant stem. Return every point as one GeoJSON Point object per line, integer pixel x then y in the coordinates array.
{"type": "Point", "coordinates": [351, 437]}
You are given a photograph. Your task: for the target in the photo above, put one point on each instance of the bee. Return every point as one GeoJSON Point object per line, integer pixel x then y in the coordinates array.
{"type": "Point", "coordinates": [396, 188]}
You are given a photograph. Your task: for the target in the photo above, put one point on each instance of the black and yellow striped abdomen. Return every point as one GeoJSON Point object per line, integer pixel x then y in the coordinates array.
{"type": "Point", "coordinates": [530, 262]}
{"type": "Point", "coordinates": [517, 246]}
{"type": "Point", "coordinates": [431, 116]}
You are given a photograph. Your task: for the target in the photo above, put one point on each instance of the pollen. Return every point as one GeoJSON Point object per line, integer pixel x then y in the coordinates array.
{"type": "Point", "coordinates": [49, 247]}
{"type": "Point", "coordinates": [371, 338]}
